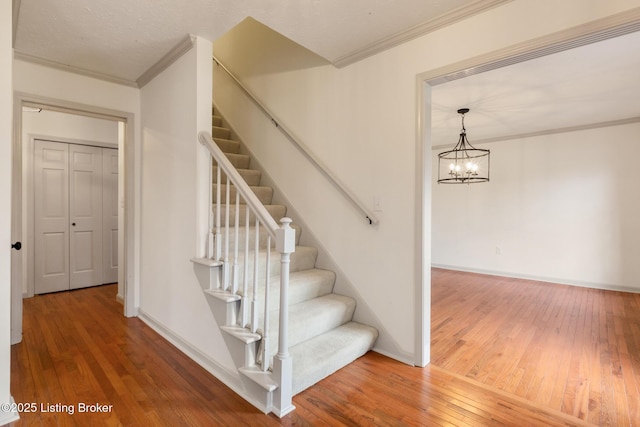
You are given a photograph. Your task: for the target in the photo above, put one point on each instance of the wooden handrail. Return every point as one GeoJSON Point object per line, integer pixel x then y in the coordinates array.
{"type": "Point", "coordinates": [242, 187]}
{"type": "Point", "coordinates": [306, 151]}
{"type": "Point", "coordinates": [284, 237]}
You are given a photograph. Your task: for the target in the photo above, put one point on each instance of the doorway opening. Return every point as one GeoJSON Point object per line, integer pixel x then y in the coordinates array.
{"type": "Point", "coordinates": [69, 123]}
{"type": "Point", "coordinates": [585, 34]}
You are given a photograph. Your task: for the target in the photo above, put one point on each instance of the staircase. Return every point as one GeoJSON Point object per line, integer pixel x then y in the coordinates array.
{"type": "Point", "coordinates": [322, 336]}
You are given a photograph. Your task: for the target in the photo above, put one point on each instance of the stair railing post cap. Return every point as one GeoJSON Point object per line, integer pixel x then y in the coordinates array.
{"type": "Point", "coordinates": [286, 221]}
{"type": "Point", "coordinates": [286, 237]}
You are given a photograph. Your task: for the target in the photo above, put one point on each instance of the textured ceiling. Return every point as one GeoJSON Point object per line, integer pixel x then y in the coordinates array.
{"type": "Point", "coordinates": [580, 87]}
{"type": "Point", "coordinates": [124, 38]}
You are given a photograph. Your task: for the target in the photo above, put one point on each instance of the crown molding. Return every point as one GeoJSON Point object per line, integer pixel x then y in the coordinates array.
{"type": "Point", "coordinates": [76, 70]}
{"type": "Point", "coordinates": [180, 49]}
{"type": "Point", "coordinates": [172, 56]}
{"type": "Point", "coordinates": [419, 30]}
{"type": "Point", "coordinates": [591, 32]}
{"type": "Point", "coordinates": [588, 126]}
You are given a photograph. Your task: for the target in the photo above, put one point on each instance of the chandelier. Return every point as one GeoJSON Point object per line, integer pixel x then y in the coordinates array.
{"type": "Point", "coordinates": [465, 164]}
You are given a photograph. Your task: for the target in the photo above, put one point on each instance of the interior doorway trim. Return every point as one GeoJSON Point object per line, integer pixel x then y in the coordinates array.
{"type": "Point", "coordinates": [598, 30]}
{"type": "Point", "coordinates": [130, 274]}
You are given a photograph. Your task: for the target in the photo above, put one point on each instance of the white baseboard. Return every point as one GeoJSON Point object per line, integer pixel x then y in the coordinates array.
{"type": "Point", "coordinates": [407, 360]}
{"type": "Point", "coordinates": [9, 417]}
{"type": "Point", "coordinates": [582, 284]}
{"type": "Point", "coordinates": [228, 377]}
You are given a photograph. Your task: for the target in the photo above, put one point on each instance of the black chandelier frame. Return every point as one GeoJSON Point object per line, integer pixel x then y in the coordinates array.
{"type": "Point", "coordinates": [461, 165]}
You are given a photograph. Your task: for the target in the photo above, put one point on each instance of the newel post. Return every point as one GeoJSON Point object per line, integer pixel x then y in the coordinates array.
{"type": "Point", "coordinates": [282, 362]}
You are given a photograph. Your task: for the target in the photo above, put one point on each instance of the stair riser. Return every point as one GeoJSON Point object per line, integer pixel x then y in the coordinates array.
{"type": "Point", "coordinates": [251, 176]}
{"type": "Point", "coordinates": [300, 289]}
{"type": "Point", "coordinates": [227, 145]}
{"type": "Point", "coordinates": [216, 120]}
{"type": "Point", "coordinates": [264, 194]}
{"type": "Point", "coordinates": [242, 231]}
{"type": "Point", "coordinates": [299, 261]}
{"type": "Point", "coordinates": [316, 320]}
{"type": "Point", "coordinates": [239, 161]}
{"type": "Point", "coordinates": [220, 132]}
{"type": "Point", "coordinates": [277, 213]}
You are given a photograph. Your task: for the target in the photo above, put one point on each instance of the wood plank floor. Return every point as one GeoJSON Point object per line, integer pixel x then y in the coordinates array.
{"type": "Point", "coordinates": [571, 349]}
{"type": "Point", "coordinates": [78, 347]}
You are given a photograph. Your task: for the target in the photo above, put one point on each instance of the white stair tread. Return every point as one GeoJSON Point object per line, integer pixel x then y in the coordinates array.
{"type": "Point", "coordinates": [314, 317]}
{"type": "Point", "coordinates": [207, 262]}
{"type": "Point", "coordinates": [263, 379]}
{"type": "Point", "coordinates": [243, 334]}
{"type": "Point", "coordinates": [222, 295]}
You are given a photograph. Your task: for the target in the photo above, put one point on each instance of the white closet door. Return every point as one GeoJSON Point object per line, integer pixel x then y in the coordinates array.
{"type": "Point", "coordinates": [51, 228]}
{"type": "Point", "coordinates": [110, 215]}
{"type": "Point", "coordinates": [85, 216]}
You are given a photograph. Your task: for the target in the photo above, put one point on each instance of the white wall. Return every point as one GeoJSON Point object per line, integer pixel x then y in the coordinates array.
{"type": "Point", "coordinates": [69, 126]}
{"type": "Point", "coordinates": [175, 106]}
{"type": "Point", "coordinates": [62, 127]}
{"type": "Point", "coordinates": [361, 121]}
{"type": "Point", "coordinates": [6, 109]}
{"type": "Point", "coordinates": [61, 87]}
{"type": "Point", "coordinates": [561, 208]}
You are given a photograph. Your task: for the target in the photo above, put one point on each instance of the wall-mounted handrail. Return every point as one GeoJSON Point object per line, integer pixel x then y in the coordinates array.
{"type": "Point", "coordinates": [306, 151]}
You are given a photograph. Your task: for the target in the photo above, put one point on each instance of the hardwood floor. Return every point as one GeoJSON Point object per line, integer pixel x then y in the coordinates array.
{"type": "Point", "coordinates": [78, 347]}
{"type": "Point", "coordinates": [571, 349]}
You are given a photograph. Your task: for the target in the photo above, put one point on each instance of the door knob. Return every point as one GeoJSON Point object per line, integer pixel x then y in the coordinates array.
{"type": "Point", "coordinates": [17, 246]}
{"type": "Point", "coordinates": [73, 223]}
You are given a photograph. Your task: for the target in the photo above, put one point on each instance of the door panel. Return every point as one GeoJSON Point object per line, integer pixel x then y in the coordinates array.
{"type": "Point", "coordinates": [51, 210]}
{"type": "Point", "coordinates": [110, 215]}
{"type": "Point", "coordinates": [85, 216]}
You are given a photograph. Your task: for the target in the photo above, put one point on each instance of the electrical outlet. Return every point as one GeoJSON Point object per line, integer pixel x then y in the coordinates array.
{"type": "Point", "coordinates": [498, 250]}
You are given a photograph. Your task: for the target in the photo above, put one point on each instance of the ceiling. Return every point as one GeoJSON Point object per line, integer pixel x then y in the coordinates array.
{"type": "Point", "coordinates": [581, 87]}
{"type": "Point", "coordinates": [124, 38]}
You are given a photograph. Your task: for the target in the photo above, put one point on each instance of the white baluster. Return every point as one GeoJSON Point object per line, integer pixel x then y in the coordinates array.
{"type": "Point", "coordinates": [217, 223]}
{"type": "Point", "coordinates": [265, 334]}
{"type": "Point", "coordinates": [208, 250]}
{"type": "Point", "coordinates": [245, 287]}
{"type": "Point", "coordinates": [225, 265]}
{"type": "Point", "coordinates": [256, 254]}
{"type": "Point", "coordinates": [234, 277]}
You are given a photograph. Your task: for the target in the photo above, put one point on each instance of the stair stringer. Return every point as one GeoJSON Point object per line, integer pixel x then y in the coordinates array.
{"type": "Point", "coordinates": [257, 387]}
{"type": "Point", "coordinates": [385, 344]}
